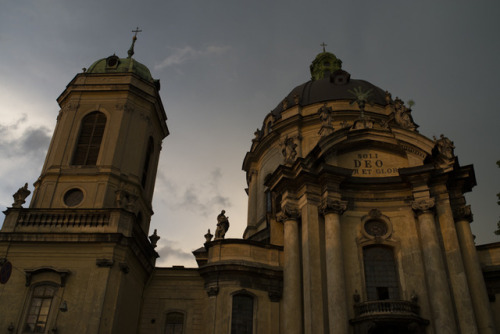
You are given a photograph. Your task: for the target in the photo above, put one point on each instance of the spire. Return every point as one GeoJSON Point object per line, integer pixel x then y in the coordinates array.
{"type": "Point", "coordinates": [130, 51]}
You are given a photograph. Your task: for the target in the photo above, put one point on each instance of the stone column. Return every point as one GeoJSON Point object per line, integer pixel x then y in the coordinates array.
{"type": "Point", "coordinates": [292, 292]}
{"type": "Point", "coordinates": [435, 271]}
{"type": "Point", "coordinates": [314, 287]}
{"type": "Point", "coordinates": [477, 287]}
{"type": "Point", "coordinates": [337, 307]}
{"type": "Point", "coordinates": [453, 257]}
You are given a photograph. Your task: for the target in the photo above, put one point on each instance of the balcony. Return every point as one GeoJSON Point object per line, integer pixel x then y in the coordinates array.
{"type": "Point", "coordinates": [381, 307]}
{"type": "Point", "coordinates": [387, 316]}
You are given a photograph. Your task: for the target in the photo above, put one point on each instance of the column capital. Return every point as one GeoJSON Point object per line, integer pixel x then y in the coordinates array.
{"type": "Point", "coordinates": [462, 212]}
{"type": "Point", "coordinates": [288, 212]}
{"type": "Point", "coordinates": [332, 206]}
{"type": "Point", "coordinates": [423, 205]}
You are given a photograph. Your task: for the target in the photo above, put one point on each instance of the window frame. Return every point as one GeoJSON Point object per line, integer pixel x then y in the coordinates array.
{"type": "Point", "coordinates": [184, 316]}
{"type": "Point", "coordinates": [397, 279]}
{"type": "Point", "coordinates": [32, 296]}
{"type": "Point", "coordinates": [254, 309]}
{"type": "Point", "coordinates": [88, 150]}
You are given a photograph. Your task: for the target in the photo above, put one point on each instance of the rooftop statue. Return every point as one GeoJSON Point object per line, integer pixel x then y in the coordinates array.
{"type": "Point", "coordinates": [222, 225]}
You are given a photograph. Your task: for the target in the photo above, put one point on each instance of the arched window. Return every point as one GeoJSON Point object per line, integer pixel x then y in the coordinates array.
{"type": "Point", "coordinates": [39, 308]}
{"type": "Point", "coordinates": [380, 273]}
{"type": "Point", "coordinates": [90, 138]}
{"type": "Point", "coordinates": [175, 323]}
{"type": "Point", "coordinates": [242, 314]}
{"type": "Point", "coordinates": [147, 162]}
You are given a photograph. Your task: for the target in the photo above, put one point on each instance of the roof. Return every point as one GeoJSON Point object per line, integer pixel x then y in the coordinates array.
{"type": "Point", "coordinates": [113, 64]}
{"type": "Point", "coordinates": [337, 86]}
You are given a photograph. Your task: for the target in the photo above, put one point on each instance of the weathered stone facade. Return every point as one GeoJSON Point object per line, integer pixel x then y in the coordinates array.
{"type": "Point", "coordinates": [357, 223]}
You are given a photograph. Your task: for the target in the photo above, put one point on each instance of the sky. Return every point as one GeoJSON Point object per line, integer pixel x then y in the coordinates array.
{"type": "Point", "coordinates": [223, 65]}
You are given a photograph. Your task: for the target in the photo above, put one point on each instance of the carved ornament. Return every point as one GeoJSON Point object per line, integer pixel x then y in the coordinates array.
{"type": "Point", "coordinates": [332, 206]}
{"type": "Point", "coordinates": [125, 200]}
{"type": "Point", "coordinates": [212, 291]}
{"type": "Point", "coordinates": [423, 205]}
{"type": "Point", "coordinates": [443, 152]}
{"type": "Point", "coordinates": [463, 213]}
{"type": "Point", "coordinates": [288, 212]}
{"type": "Point", "coordinates": [402, 115]}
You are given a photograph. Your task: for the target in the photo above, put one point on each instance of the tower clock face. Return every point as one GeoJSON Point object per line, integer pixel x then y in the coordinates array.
{"type": "Point", "coordinates": [73, 197]}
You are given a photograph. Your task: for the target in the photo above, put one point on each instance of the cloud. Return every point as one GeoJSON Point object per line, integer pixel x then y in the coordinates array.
{"type": "Point", "coordinates": [187, 53]}
{"type": "Point", "coordinates": [167, 251]}
{"type": "Point", "coordinates": [18, 142]}
{"type": "Point", "coordinates": [201, 198]}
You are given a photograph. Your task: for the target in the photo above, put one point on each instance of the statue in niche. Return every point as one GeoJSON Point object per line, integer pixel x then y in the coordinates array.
{"type": "Point", "coordinates": [443, 152]}
{"type": "Point", "coordinates": [222, 225]}
{"type": "Point", "coordinates": [289, 150]}
{"type": "Point", "coordinates": [20, 196]}
{"type": "Point", "coordinates": [326, 117]}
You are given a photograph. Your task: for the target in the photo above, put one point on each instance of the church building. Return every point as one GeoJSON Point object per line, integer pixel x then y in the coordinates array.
{"type": "Point", "coordinates": [357, 223]}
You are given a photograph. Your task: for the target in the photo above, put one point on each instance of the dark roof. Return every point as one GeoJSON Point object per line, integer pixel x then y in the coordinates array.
{"type": "Point", "coordinates": [329, 89]}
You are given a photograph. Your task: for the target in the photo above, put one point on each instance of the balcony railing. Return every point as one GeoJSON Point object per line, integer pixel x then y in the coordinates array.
{"type": "Point", "coordinates": [63, 218]}
{"type": "Point", "coordinates": [386, 307]}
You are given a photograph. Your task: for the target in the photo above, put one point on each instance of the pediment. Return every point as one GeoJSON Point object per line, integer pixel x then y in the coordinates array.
{"type": "Point", "coordinates": [370, 153]}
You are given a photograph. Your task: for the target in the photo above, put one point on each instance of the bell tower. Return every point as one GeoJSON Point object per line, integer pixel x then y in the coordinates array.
{"type": "Point", "coordinates": [105, 148]}
{"type": "Point", "coordinates": [82, 246]}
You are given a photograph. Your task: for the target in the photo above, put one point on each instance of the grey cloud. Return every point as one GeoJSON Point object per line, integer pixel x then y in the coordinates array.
{"type": "Point", "coordinates": [187, 53]}
{"type": "Point", "coordinates": [33, 141]}
{"type": "Point", "coordinates": [167, 251]}
{"type": "Point", "coordinates": [201, 198]}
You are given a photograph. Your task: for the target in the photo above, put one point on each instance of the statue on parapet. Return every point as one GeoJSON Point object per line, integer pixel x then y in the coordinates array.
{"type": "Point", "coordinates": [222, 225]}
{"type": "Point", "coordinates": [20, 196]}
{"type": "Point", "coordinates": [443, 152]}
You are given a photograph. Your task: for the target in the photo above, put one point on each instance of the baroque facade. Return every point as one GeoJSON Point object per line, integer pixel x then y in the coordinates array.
{"type": "Point", "coordinates": [357, 223]}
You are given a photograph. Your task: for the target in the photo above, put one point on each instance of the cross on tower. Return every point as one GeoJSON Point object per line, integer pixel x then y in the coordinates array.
{"type": "Point", "coordinates": [323, 45]}
{"type": "Point", "coordinates": [136, 31]}
{"type": "Point", "coordinates": [131, 50]}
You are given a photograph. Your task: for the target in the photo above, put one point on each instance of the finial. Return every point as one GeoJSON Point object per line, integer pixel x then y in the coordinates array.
{"type": "Point", "coordinates": [130, 51]}
{"type": "Point", "coordinates": [323, 45]}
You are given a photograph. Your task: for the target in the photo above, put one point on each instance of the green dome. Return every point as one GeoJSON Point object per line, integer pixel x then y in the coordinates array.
{"type": "Point", "coordinates": [324, 64]}
{"type": "Point", "coordinates": [113, 64]}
